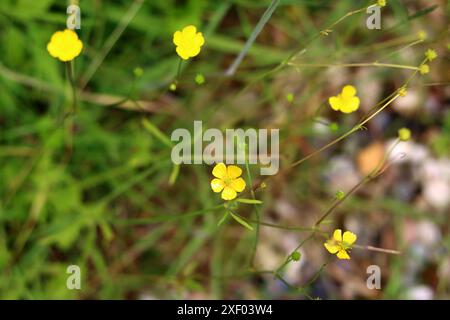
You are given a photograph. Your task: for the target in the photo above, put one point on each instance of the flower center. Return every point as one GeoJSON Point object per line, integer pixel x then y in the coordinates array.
{"type": "Point", "coordinates": [342, 245]}
{"type": "Point", "coordinates": [345, 246]}
{"type": "Point", "coordinates": [227, 180]}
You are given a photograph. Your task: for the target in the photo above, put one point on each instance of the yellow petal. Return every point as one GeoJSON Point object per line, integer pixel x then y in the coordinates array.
{"type": "Point", "coordinates": [220, 171]}
{"type": "Point", "coordinates": [331, 247]}
{"type": "Point", "coordinates": [348, 91]}
{"type": "Point", "coordinates": [351, 105]}
{"type": "Point", "coordinates": [199, 40]}
{"type": "Point", "coordinates": [51, 48]}
{"type": "Point", "coordinates": [183, 53]}
{"type": "Point", "coordinates": [56, 35]}
{"type": "Point", "coordinates": [238, 184]}
{"type": "Point", "coordinates": [217, 185]}
{"type": "Point", "coordinates": [335, 103]}
{"type": "Point", "coordinates": [228, 193]}
{"type": "Point", "coordinates": [349, 237]}
{"type": "Point", "coordinates": [177, 38]}
{"type": "Point", "coordinates": [342, 254]}
{"type": "Point", "coordinates": [193, 51]}
{"type": "Point", "coordinates": [234, 172]}
{"type": "Point", "coordinates": [70, 35]}
{"type": "Point", "coordinates": [337, 235]}
{"type": "Point", "coordinates": [189, 31]}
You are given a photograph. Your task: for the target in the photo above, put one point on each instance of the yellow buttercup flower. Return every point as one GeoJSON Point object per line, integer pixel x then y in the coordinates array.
{"type": "Point", "coordinates": [188, 42]}
{"type": "Point", "coordinates": [227, 180]}
{"type": "Point", "coordinates": [340, 244]}
{"type": "Point", "coordinates": [65, 45]}
{"type": "Point", "coordinates": [346, 101]}
{"type": "Point", "coordinates": [381, 3]}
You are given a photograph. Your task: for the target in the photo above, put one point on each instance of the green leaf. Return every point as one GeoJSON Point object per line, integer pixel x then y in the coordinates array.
{"type": "Point", "coordinates": [423, 12]}
{"type": "Point", "coordinates": [249, 201]}
{"type": "Point", "coordinates": [241, 221]}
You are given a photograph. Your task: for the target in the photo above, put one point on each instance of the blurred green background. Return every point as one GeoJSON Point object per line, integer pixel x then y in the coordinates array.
{"type": "Point", "coordinates": [103, 194]}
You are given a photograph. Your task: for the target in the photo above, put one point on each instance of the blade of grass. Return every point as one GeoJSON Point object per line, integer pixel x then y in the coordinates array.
{"type": "Point", "coordinates": [256, 31]}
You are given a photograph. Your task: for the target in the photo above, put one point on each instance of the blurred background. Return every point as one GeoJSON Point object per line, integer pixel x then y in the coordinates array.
{"type": "Point", "coordinates": [103, 193]}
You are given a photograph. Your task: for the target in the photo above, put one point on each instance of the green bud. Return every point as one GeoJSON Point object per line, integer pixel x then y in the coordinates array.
{"type": "Point", "coordinates": [199, 79]}
{"type": "Point", "coordinates": [138, 72]}
{"type": "Point", "coordinates": [334, 127]}
{"type": "Point", "coordinates": [340, 195]}
{"type": "Point", "coordinates": [295, 256]}
{"type": "Point", "coordinates": [290, 97]}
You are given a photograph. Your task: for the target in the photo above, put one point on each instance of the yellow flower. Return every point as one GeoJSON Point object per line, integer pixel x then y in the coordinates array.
{"type": "Point", "coordinates": [404, 134]}
{"type": "Point", "coordinates": [339, 245]}
{"type": "Point", "coordinates": [346, 101]}
{"type": "Point", "coordinates": [424, 69]}
{"type": "Point", "coordinates": [381, 3]}
{"type": "Point", "coordinates": [188, 42]}
{"type": "Point", "coordinates": [227, 179]}
{"type": "Point", "coordinates": [430, 54]}
{"type": "Point", "coordinates": [65, 45]}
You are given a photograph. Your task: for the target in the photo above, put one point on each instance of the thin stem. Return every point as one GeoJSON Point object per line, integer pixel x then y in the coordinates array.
{"type": "Point", "coordinates": [404, 47]}
{"type": "Point", "coordinates": [288, 259]}
{"type": "Point", "coordinates": [256, 31]}
{"type": "Point", "coordinates": [388, 251]}
{"type": "Point", "coordinates": [339, 201]}
{"type": "Point", "coordinates": [180, 62]}
{"type": "Point", "coordinates": [70, 76]}
{"type": "Point", "coordinates": [277, 226]}
{"type": "Point", "coordinates": [287, 284]}
{"type": "Point", "coordinates": [72, 111]}
{"type": "Point", "coordinates": [257, 213]}
{"type": "Point", "coordinates": [389, 43]}
{"type": "Point", "coordinates": [373, 174]}
{"type": "Point", "coordinates": [351, 65]}
{"type": "Point", "coordinates": [379, 168]}
{"type": "Point", "coordinates": [348, 14]}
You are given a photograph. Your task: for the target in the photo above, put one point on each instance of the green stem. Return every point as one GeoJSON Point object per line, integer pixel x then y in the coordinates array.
{"type": "Point", "coordinates": [70, 76]}
{"type": "Point", "coordinates": [180, 62]}
{"type": "Point", "coordinates": [257, 213]}
{"type": "Point", "coordinates": [370, 248]}
{"type": "Point", "coordinates": [351, 65]}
